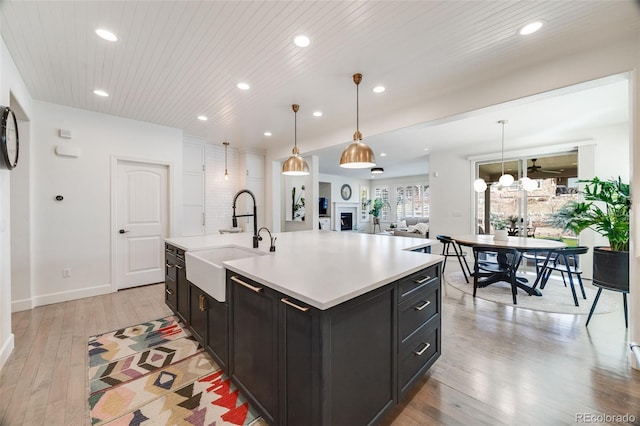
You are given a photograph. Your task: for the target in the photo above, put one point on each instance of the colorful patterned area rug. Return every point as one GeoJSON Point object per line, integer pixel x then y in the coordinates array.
{"type": "Point", "coordinates": [156, 373]}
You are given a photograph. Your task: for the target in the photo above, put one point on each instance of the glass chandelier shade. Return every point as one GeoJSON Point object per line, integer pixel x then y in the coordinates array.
{"type": "Point", "coordinates": [295, 165]}
{"type": "Point", "coordinates": [357, 155]}
{"type": "Point", "coordinates": [479, 185]}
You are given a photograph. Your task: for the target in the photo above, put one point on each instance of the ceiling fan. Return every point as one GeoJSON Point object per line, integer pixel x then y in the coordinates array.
{"type": "Point", "coordinates": [534, 169]}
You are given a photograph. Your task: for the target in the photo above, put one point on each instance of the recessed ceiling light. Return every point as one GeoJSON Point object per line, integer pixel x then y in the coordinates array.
{"type": "Point", "coordinates": [379, 89]}
{"type": "Point", "coordinates": [243, 86]}
{"type": "Point", "coordinates": [101, 93]}
{"type": "Point", "coordinates": [267, 133]}
{"type": "Point", "coordinates": [426, 149]}
{"type": "Point", "coordinates": [383, 154]}
{"type": "Point", "coordinates": [317, 114]}
{"type": "Point", "coordinates": [202, 118]}
{"type": "Point", "coordinates": [106, 35]}
{"type": "Point", "coordinates": [531, 28]}
{"type": "Point", "coordinates": [302, 41]}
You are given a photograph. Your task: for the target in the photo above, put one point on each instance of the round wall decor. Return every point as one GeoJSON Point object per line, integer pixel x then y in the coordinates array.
{"type": "Point", "coordinates": [345, 192]}
{"type": "Point", "coordinates": [9, 143]}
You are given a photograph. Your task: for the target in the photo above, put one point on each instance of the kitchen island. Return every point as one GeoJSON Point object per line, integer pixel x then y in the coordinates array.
{"type": "Point", "coordinates": [332, 328]}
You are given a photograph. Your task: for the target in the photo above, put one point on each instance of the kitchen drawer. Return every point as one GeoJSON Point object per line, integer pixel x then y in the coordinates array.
{"type": "Point", "coordinates": [170, 270]}
{"type": "Point", "coordinates": [417, 310]}
{"type": "Point", "coordinates": [414, 282]}
{"type": "Point", "coordinates": [417, 355]}
{"type": "Point", "coordinates": [176, 252]}
{"type": "Point", "coordinates": [171, 293]}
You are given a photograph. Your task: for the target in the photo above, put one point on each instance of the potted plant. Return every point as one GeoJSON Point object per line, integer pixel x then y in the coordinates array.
{"type": "Point", "coordinates": [376, 209]}
{"type": "Point", "coordinates": [605, 210]}
{"type": "Point", "coordinates": [499, 228]}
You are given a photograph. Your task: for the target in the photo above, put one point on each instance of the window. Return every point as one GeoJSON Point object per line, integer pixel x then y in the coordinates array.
{"type": "Point", "coordinates": [382, 192]}
{"type": "Point", "coordinates": [412, 201]}
{"type": "Point", "coordinates": [533, 212]}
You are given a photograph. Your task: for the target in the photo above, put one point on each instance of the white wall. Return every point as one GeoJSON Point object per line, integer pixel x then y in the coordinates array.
{"type": "Point", "coordinates": [76, 232]}
{"type": "Point", "coordinates": [11, 86]}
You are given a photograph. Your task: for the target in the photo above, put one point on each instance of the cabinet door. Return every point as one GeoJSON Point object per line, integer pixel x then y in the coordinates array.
{"type": "Point", "coordinates": [254, 165]}
{"type": "Point", "coordinates": [254, 338]}
{"type": "Point", "coordinates": [198, 311]}
{"type": "Point", "coordinates": [217, 340]}
{"type": "Point", "coordinates": [299, 363]}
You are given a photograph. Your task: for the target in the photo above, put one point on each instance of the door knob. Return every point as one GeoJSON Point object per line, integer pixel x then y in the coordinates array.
{"type": "Point", "coordinates": [122, 231]}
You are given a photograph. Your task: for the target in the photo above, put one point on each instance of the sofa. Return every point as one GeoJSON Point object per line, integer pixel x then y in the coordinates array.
{"type": "Point", "coordinates": [415, 227]}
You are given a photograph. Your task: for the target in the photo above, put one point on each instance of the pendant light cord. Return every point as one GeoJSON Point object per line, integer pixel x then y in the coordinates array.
{"type": "Point", "coordinates": [357, 108]}
{"type": "Point", "coordinates": [295, 129]}
{"type": "Point", "coordinates": [502, 148]}
{"type": "Point", "coordinates": [502, 155]}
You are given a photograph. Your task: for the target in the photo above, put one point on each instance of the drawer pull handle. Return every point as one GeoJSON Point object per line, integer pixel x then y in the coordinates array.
{"type": "Point", "coordinates": [421, 351]}
{"type": "Point", "coordinates": [179, 267]}
{"type": "Point", "coordinates": [249, 286]}
{"type": "Point", "coordinates": [425, 303]}
{"type": "Point", "coordinates": [202, 303]}
{"type": "Point", "coordinates": [423, 280]}
{"type": "Point", "coordinates": [290, 303]}
{"type": "Point", "coordinates": [169, 265]}
{"type": "Point", "coordinates": [169, 292]}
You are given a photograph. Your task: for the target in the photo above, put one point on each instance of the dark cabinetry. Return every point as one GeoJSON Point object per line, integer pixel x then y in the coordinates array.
{"type": "Point", "coordinates": [170, 278]}
{"type": "Point", "coordinates": [345, 365]}
{"type": "Point", "coordinates": [209, 324]}
{"type": "Point", "coordinates": [177, 287]}
{"type": "Point", "coordinates": [254, 338]}
{"type": "Point", "coordinates": [419, 302]}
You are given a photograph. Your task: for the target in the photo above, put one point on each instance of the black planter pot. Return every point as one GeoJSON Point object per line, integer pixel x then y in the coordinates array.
{"type": "Point", "coordinates": [611, 269]}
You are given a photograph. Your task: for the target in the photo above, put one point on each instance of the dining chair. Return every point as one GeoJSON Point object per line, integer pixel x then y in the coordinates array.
{"type": "Point", "coordinates": [447, 244]}
{"type": "Point", "coordinates": [486, 270]}
{"type": "Point", "coordinates": [566, 261]}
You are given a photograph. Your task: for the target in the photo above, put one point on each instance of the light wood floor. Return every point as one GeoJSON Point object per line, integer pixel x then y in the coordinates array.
{"type": "Point", "coordinates": [500, 365]}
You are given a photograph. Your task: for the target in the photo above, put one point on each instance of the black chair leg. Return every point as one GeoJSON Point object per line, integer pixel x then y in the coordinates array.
{"type": "Point", "coordinates": [445, 251]}
{"type": "Point", "coordinates": [573, 288]}
{"type": "Point", "coordinates": [626, 315]}
{"type": "Point", "coordinates": [460, 259]}
{"type": "Point", "coordinates": [593, 307]}
{"type": "Point", "coordinates": [514, 289]}
{"type": "Point", "coordinates": [584, 295]}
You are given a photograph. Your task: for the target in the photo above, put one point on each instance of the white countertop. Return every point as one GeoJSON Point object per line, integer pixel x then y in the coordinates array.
{"type": "Point", "coordinates": [322, 268]}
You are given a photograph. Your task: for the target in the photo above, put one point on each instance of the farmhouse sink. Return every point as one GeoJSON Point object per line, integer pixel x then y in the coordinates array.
{"type": "Point", "coordinates": [205, 269]}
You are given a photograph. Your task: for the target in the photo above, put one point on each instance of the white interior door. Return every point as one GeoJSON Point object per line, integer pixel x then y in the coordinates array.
{"type": "Point", "coordinates": [142, 223]}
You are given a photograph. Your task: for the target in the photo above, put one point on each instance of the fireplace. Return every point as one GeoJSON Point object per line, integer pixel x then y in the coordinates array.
{"type": "Point", "coordinates": [346, 221]}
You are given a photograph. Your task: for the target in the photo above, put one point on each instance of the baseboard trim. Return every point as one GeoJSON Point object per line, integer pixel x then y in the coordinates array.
{"type": "Point", "coordinates": [7, 348]}
{"type": "Point", "coordinates": [21, 305]}
{"type": "Point", "coordinates": [65, 296]}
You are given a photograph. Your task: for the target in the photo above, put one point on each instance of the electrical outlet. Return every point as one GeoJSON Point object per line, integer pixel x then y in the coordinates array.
{"type": "Point", "coordinates": [66, 272]}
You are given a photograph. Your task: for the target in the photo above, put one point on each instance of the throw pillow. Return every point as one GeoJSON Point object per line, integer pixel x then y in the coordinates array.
{"type": "Point", "coordinates": [402, 224]}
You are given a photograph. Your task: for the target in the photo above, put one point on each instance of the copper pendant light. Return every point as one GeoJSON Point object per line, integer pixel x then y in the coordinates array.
{"type": "Point", "coordinates": [295, 165]}
{"type": "Point", "coordinates": [357, 155]}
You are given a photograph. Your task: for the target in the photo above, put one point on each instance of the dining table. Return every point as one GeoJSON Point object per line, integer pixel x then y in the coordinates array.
{"type": "Point", "coordinates": [522, 244]}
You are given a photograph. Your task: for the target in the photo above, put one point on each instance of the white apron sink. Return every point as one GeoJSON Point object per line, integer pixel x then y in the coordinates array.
{"type": "Point", "coordinates": [205, 269]}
